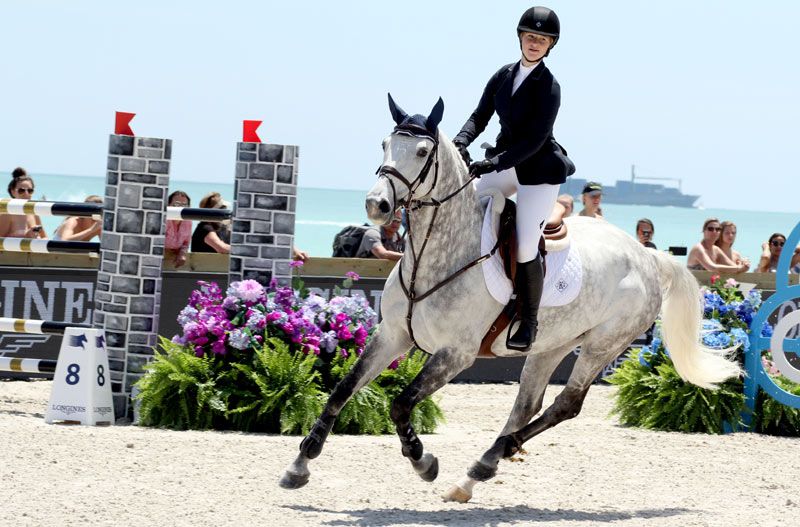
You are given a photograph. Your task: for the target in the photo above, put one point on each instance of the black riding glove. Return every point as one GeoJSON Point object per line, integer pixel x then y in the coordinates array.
{"type": "Point", "coordinates": [480, 168]}
{"type": "Point", "coordinates": [462, 149]}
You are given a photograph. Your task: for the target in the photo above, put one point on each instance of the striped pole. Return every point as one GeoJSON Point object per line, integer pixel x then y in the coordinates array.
{"type": "Point", "coordinates": [37, 245]}
{"type": "Point", "coordinates": [95, 210]}
{"type": "Point", "coordinates": [196, 214]}
{"type": "Point", "coordinates": [51, 208]}
{"type": "Point", "coordinates": [20, 325]}
{"type": "Point", "coordinates": [27, 365]}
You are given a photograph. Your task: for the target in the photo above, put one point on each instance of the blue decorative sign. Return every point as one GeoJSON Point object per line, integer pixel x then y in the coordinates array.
{"type": "Point", "coordinates": [778, 344]}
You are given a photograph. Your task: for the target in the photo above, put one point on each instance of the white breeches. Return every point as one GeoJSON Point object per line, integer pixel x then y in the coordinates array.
{"type": "Point", "coordinates": [534, 205]}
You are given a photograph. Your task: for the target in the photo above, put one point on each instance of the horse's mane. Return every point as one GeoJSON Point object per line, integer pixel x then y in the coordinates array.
{"type": "Point", "coordinates": [450, 160]}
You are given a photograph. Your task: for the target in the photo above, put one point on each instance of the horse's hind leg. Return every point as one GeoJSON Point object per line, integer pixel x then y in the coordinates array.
{"type": "Point", "coordinates": [380, 352]}
{"type": "Point", "coordinates": [533, 381]}
{"type": "Point", "coordinates": [593, 358]}
{"type": "Point", "coordinates": [440, 368]}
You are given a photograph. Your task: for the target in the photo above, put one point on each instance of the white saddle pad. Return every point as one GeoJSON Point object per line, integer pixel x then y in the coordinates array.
{"type": "Point", "coordinates": [564, 276]}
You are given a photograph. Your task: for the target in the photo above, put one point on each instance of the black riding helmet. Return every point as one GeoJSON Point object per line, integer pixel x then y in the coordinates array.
{"type": "Point", "coordinates": [542, 21]}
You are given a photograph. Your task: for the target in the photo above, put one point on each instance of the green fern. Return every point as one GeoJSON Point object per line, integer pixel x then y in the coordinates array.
{"type": "Point", "coordinates": [657, 398]}
{"type": "Point", "coordinates": [774, 418]}
{"type": "Point", "coordinates": [367, 411]}
{"type": "Point", "coordinates": [269, 389]}
{"type": "Point", "coordinates": [278, 393]}
{"type": "Point", "coordinates": [179, 390]}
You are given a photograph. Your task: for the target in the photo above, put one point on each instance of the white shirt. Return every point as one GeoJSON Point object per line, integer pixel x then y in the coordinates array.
{"type": "Point", "coordinates": [522, 74]}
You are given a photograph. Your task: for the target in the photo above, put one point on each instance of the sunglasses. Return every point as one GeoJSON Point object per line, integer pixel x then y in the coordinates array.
{"type": "Point", "coordinates": [714, 229]}
{"type": "Point", "coordinates": [776, 243]}
{"type": "Point", "coordinates": [25, 190]}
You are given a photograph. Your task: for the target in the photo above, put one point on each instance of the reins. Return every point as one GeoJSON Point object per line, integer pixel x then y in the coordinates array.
{"type": "Point", "coordinates": [410, 205]}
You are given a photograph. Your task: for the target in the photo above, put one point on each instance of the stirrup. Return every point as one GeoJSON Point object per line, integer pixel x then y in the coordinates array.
{"type": "Point", "coordinates": [522, 327]}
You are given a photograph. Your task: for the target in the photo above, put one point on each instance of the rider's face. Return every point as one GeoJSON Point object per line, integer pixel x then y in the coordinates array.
{"type": "Point", "coordinates": [534, 46]}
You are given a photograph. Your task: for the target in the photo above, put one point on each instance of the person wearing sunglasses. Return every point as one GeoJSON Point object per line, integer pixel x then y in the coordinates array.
{"type": "Point", "coordinates": [771, 251]}
{"type": "Point", "coordinates": [705, 255]}
{"type": "Point", "coordinates": [21, 225]}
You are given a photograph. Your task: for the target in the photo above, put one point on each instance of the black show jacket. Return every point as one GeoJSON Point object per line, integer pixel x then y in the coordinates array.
{"type": "Point", "coordinates": [526, 125]}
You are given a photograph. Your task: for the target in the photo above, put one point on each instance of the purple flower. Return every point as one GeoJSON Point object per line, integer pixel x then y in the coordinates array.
{"type": "Point", "coordinates": [296, 263]}
{"type": "Point", "coordinates": [328, 341]}
{"type": "Point", "coordinates": [218, 347]}
{"type": "Point", "coordinates": [396, 362]}
{"type": "Point", "coordinates": [352, 275]}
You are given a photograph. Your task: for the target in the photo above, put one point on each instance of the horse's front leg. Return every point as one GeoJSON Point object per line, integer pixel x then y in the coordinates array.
{"type": "Point", "coordinates": [438, 370]}
{"type": "Point", "coordinates": [381, 350]}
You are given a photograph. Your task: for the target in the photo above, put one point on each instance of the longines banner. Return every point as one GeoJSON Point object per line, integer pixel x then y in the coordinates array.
{"type": "Point", "coordinates": [68, 295]}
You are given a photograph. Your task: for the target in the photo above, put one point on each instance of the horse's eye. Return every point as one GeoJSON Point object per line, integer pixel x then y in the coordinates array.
{"type": "Point", "coordinates": [422, 152]}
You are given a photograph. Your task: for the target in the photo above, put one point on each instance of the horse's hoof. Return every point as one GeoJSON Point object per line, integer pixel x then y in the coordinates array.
{"type": "Point", "coordinates": [291, 480]}
{"type": "Point", "coordinates": [427, 467]}
{"type": "Point", "coordinates": [457, 494]}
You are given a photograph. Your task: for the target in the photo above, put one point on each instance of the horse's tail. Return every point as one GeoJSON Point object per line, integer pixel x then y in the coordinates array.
{"type": "Point", "coordinates": [681, 318]}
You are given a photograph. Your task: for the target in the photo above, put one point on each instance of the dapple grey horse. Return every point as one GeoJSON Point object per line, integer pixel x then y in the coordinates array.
{"type": "Point", "coordinates": [625, 285]}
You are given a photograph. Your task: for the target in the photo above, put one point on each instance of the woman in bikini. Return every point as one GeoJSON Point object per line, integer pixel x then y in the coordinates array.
{"type": "Point", "coordinates": [705, 255]}
{"type": "Point", "coordinates": [21, 225]}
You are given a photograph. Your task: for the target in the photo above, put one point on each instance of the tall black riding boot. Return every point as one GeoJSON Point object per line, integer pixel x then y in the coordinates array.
{"type": "Point", "coordinates": [530, 279]}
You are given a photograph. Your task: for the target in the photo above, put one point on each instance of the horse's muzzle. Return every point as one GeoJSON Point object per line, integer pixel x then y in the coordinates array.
{"type": "Point", "coordinates": [379, 210]}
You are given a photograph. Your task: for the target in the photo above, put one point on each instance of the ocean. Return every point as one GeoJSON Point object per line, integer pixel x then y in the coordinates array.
{"type": "Point", "coordinates": [321, 213]}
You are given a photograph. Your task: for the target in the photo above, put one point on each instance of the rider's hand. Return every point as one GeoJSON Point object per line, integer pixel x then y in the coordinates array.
{"type": "Point", "coordinates": [462, 149]}
{"type": "Point", "coordinates": [480, 168]}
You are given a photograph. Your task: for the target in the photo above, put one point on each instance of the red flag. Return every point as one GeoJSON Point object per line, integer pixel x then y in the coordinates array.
{"type": "Point", "coordinates": [249, 134]}
{"type": "Point", "coordinates": [122, 123]}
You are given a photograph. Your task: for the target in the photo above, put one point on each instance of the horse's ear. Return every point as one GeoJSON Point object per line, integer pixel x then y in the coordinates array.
{"type": "Point", "coordinates": [433, 120]}
{"type": "Point", "coordinates": [397, 113]}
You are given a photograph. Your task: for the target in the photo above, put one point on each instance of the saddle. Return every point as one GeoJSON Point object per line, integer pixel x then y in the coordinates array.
{"type": "Point", "coordinates": [507, 248]}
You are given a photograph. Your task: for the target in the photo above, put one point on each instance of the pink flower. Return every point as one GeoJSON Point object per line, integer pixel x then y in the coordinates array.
{"type": "Point", "coordinates": [352, 275]}
{"type": "Point", "coordinates": [361, 335]}
{"type": "Point", "coordinates": [296, 263]}
{"type": "Point", "coordinates": [248, 290]}
{"type": "Point", "coordinates": [730, 282]}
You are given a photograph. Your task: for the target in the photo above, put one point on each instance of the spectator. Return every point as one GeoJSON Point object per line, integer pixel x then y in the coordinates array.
{"type": "Point", "coordinates": [78, 228]}
{"type": "Point", "coordinates": [568, 202]}
{"type": "Point", "coordinates": [771, 252]}
{"type": "Point", "coordinates": [591, 197]}
{"type": "Point", "coordinates": [704, 255]}
{"type": "Point", "coordinates": [179, 232]}
{"type": "Point", "coordinates": [725, 242]}
{"type": "Point", "coordinates": [297, 254]}
{"type": "Point", "coordinates": [21, 225]}
{"type": "Point", "coordinates": [645, 231]}
{"type": "Point", "coordinates": [383, 242]}
{"type": "Point", "coordinates": [212, 236]}
{"type": "Point", "coordinates": [562, 208]}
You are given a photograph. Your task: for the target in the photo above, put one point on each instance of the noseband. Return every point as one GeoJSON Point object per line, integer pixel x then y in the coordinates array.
{"type": "Point", "coordinates": [411, 204]}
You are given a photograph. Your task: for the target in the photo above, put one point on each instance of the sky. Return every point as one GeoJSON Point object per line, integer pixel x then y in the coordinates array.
{"type": "Point", "coordinates": [702, 91]}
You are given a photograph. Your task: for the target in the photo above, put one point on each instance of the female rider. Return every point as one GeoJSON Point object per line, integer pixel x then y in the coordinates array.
{"type": "Point", "coordinates": [527, 160]}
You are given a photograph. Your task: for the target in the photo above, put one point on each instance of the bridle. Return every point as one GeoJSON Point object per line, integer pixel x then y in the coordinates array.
{"type": "Point", "coordinates": [412, 204]}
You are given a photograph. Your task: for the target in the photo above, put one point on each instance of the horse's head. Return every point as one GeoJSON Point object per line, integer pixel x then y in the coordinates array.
{"type": "Point", "coordinates": [410, 167]}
